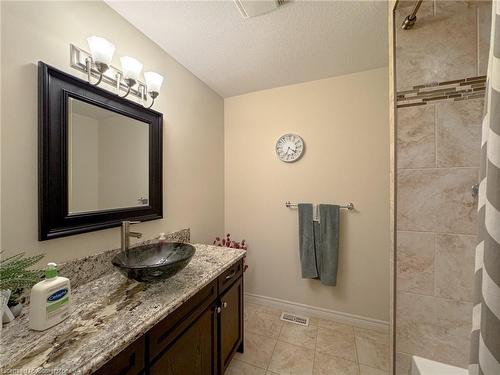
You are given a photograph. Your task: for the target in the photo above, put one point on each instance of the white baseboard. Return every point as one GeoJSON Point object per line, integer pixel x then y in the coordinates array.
{"type": "Point", "coordinates": [318, 312]}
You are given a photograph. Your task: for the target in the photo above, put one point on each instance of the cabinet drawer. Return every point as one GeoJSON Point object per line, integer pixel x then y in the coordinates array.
{"type": "Point", "coordinates": [130, 361]}
{"type": "Point", "coordinates": [230, 276]}
{"type": "Point", "coordinates": [165, 332]}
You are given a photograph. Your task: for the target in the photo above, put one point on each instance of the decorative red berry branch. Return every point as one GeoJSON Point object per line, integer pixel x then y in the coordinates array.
{"type": "Point", "coordinates": [228, 242]}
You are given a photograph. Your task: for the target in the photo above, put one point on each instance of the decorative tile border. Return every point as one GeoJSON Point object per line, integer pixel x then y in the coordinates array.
{"type": "Point", "coordinates": [460, 89]}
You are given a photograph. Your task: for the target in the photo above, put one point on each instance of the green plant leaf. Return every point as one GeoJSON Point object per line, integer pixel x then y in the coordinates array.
{"type": "Point", "coordinates": [14, 273]}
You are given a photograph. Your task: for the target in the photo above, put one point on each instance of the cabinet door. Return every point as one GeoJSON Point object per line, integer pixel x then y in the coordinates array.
{"type": "Point", "coordinates": [194, 352]}
{"type": "Point", "coordinates": [130, 361]}
{"type": "Point", "coordinates": [163, 334]}
{"type": "Point", "coordinates": [231, 322]}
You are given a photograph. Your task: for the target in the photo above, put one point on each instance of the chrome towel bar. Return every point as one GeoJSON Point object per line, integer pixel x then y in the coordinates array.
{"type": "Point", "coordinates": [349, 205]}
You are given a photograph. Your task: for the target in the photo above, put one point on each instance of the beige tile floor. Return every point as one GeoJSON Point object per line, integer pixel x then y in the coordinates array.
{"type": "Point", "coordinates": [325, 347]}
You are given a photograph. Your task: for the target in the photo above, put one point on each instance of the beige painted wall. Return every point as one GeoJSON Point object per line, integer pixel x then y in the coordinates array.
{"type": "Point", "coordinates": [344, 122]}
{"type": "Point", "coordinates": [1, 121]}
{"type": "Point", "coordinates": [392, 181]}
{"type": "Point", "coordinates": [193, 125]}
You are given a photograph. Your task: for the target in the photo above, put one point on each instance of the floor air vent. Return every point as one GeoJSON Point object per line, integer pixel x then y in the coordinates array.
{"type": "Point", "coordinates": [292, 318]}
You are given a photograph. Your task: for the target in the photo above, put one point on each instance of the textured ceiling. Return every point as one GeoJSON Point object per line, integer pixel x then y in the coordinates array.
{"type": "Point", "coordinates": [301, 41]}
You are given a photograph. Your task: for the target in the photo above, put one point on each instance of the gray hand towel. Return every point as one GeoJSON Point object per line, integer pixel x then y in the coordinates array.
{"type": "Point", "coordinates": [308, 241]}
{"type": "Point", "coordinates": [328, 253]}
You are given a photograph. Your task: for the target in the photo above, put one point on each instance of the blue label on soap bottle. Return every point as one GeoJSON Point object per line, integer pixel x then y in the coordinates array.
{"type": "Point", "coordinates": [57, 295]}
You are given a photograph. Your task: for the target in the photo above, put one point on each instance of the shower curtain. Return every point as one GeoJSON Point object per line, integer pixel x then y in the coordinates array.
{"type": "Point", "coordinates": [485, 338]}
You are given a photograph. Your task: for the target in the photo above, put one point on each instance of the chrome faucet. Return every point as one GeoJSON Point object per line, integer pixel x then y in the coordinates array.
{"type": "Point", "coordinates": [126, 234]}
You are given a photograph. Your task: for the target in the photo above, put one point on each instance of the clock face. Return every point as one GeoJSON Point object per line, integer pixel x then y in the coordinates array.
{"type": "Point", "coordinates": [289, 148]}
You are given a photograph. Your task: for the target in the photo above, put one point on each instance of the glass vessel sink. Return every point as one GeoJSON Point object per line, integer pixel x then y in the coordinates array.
{"type": "Point", "coordinates": [154, 261]}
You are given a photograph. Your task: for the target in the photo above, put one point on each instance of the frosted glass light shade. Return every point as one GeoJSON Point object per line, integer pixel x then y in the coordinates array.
{"type": "Point", "coordinates": [101, 49]}
{"type": "Point", "coordinates": [153, 81]}
{"type": "Point", "coordinates": [131, 67]}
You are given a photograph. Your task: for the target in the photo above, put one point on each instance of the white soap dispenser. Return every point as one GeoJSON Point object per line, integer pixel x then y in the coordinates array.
{"type": "Point", "coordinates": [50, 300]}
{"type": "Point", "coordinates": [162, 238]}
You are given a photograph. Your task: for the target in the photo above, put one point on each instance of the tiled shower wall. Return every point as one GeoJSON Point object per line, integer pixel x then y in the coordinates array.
{"type": "Point", "coordinates": [437, 164]}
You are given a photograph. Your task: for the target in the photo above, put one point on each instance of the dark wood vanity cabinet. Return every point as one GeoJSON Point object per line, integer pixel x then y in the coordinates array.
{"type": "Point", "coordinates": [198, 338]}
{"type": "Point", "coordinates": [231, 323]}
{"type": "Point", "coordinates": [128, 361]}
{"type": "Point", "coordinates": [193, 352]}
{"type": "Point", "coordinates": [201, 337]}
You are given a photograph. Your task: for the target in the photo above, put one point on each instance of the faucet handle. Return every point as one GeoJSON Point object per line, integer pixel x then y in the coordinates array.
{"type": "Point", "coordinates": [129, 222]}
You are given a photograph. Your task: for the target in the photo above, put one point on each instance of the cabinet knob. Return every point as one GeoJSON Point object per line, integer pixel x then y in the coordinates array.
{"type": "Point", "coordinates": [224, 304]}
{"type": "Point", "coordinates": [218, 309]}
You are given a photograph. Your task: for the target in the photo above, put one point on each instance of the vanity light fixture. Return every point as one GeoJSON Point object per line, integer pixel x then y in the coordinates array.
{"type": "Point", "coordinates": [97, 66]}
{"type": "Point", "coordinates": [101, 52]}
{"type": "Point", "coordinates": [131, 70]}
{"type": "Point", "coordinates": [153, 84]}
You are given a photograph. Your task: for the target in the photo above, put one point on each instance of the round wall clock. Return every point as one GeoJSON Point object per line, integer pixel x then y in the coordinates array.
{"type": "Point", "coordinates": [289, 148]}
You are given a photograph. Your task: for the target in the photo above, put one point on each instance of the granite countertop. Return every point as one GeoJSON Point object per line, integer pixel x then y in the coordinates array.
{"type": "Point", "coordinates": [108, 314]}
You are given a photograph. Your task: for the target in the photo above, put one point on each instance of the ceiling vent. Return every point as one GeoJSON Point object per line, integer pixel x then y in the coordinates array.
{"type": "Point", "coordinates": [253, 8]}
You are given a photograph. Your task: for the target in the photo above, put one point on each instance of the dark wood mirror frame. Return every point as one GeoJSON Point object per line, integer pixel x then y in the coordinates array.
{"type": "Point", "coordinates": [54, 89]}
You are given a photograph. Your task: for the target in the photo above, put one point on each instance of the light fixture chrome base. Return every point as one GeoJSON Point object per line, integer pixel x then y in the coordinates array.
{"type": "Point", "coordinates": [101, 68]}
{"type": "Point", "coordinates": [129, 82]}
{"type": "Point", "coordinates": [409, 22]}
{"type": "Point", "coordinates": [153, 95]}
{"type": "Point", "coordinates": [103, 73]}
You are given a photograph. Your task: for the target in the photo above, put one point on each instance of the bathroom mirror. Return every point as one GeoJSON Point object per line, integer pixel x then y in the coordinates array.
{"type": "Point", "coordinates": [105, 150]}
{"type": "Point", "coordinates": [100, 157]}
